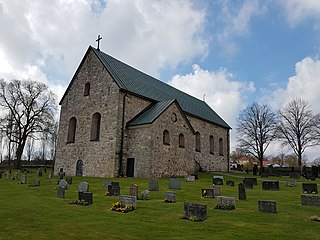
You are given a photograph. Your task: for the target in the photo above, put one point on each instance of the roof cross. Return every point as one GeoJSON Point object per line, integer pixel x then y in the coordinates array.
{"type": "Point", "coordinates": [98, 40]}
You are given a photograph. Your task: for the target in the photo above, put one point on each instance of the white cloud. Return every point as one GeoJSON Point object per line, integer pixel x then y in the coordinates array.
{"type": "Point", "coordinates": [297, 10]}
{"type": "Point", "coordinates": [225, 95]}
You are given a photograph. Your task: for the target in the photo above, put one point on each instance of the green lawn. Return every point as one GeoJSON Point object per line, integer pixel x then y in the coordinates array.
{"type": "Point", "coordinates": [36, 212]}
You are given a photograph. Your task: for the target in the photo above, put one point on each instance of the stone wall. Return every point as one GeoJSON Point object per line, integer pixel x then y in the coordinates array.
{"type": "Point", "coordinates": [211, 161]}
{"type": "Point", "coordinates": [103, 98]}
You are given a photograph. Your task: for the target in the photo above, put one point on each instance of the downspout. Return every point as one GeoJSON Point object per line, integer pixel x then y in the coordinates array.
{"type": "Point", "coordinates": [120, 169]}
{"type": "Point", "coordinates": [228, 152]}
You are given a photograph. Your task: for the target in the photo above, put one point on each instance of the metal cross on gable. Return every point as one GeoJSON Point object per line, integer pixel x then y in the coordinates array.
{"type": "Point", "coordinates": [98, 40]}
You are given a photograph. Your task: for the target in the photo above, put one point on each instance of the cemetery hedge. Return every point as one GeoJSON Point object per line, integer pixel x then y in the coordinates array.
{"type": "Point", "coordinates": [37, 213]}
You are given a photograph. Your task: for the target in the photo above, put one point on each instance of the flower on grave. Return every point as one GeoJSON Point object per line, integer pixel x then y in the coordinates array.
{"type": "Point", "coordinates": [192, 218]}
{"type": "Point", "coordinates": [204, 192]}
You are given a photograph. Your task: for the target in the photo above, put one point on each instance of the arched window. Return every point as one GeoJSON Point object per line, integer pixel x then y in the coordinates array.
{"type": "Point", "coordinates": [95, 127]}
{"type": "Point", "coordinates": [181, 140]}
{"type": "Point", "coordinates": [86, 89]}
{"type": "Point", "coordinates": [198, 145]}
{"type": "Point", "coordinates": [166, 137]}
{"type": "Point", "coordinates": [220, 147]}
{"type": "Point", "coordinates": [211, 144]}
{"type": "Point", "coordinates": [72, 130]}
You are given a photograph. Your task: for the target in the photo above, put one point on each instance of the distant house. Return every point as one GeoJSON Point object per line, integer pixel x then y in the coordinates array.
{"type": "Point", "coordinates": [116, 120]}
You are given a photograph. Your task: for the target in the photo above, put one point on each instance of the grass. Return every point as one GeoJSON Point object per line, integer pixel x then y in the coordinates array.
{"type": "Point", "coordinates": [36, 212]}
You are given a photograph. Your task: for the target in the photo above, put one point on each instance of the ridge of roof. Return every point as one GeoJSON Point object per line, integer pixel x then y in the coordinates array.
{"type": "Point", "coordinates": [135, 81]}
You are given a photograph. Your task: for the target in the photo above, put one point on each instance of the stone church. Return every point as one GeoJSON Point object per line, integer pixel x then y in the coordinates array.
{"type": "Point", "coordinates": [118, 121]}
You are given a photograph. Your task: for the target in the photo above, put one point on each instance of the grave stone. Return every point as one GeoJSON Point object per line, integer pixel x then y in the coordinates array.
{"type": "Point", "coordinates": [189, 178]}
{"type": "Point", "coordinates": [153, 184]}
{"type": "Point", "coordinates": [86, 196]}
{"type": "Point", "coordinates": [242, 192]}
{"type": "Point", "coordinates": [294, 175]}
{"type": "Point", "coordinates": [196, 177]}
{"type": "Point", "coordinates": [195, 211]}
{"type": "Point", "coordinates": [267, 206]}
{"type": "Point", "coordinates": [174, 183]}
{"type": "Point", "coordinates": [23, 179]}
{"type": "Point", "coordinates": [61, 174]}
{"type": "Point", "coordinates": [270, 185]}
{"type": "Point", "coordinates": [291, 183]}
{"type": "Point", "coordinates": [226, 201]}
{"type": "Point", "coordinates": [144, 195]}
{"type": "Point", "coordinates": [134, 190]}
{"type": "Point", "coordinates": [207, 192]}
{"type": "Point", "coordinates": [61, 192]}
{"type": "Point", "coordinates": [63, 184]}
{"type": "Point", "coordinates": [170, 197]}
{"type": "Point", "coordinates": [69, 180]}
{"type": "Point", "coordinates": [310, 200]}
{"type": "Point", "coordinates": [128, 201]}
{"type": "Point", "coordinates": [36, 183]}
{"type": "Point", "coordinates": [50, 175]}
{"type": "Point", "coordinates": [230, 183]}
{"type": "Point", "coordinates": [310, 188]}
{"type": "Point", "coordinates": [40, 172]}
{"type": "Point", "coordinates": [114, 189]}
{"type": "Point", "coordinates": [217, 180]}
{"type": "Point", "coordinates": [83, 187]}
{"type": "Point", "coordinates": [254, 180]}
{"type": "Point", "coordinates": [106, 184]}
{"type": "Point", "coordinates": [248, 183]}
{"type": "Point", "coordinates": [216, 190]}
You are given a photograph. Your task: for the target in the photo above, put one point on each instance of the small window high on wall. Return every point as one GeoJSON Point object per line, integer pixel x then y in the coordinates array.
{"type": "Point", "coordinates": [86, 89]}
{"type": "Point", "coordinates": [181, 140]}
{"type": "Point", "coordinates": [220, 147]}
{"type": "Point", "coordinates": [166, 137]}
{"type": "Point", "coordinates": [95, 127]}
{"type": "Point", "coordinates": [72, 130]}
{"type": "Point", "coordinates": [211, 144]}
{"type": "Point", "coordinates": [198, 143]}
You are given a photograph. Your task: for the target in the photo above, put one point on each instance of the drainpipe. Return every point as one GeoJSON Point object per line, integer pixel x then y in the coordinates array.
{"type": "Point", "coordinates": [120, 169]}
{"type": "Point", "coordinates": [228, 150]}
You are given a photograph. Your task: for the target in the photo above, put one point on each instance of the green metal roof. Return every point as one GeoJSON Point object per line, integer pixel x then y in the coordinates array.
{"type": "Point", "coordinates": [150, 114]}
{"type": "Point", "coordinates": [139, 83]}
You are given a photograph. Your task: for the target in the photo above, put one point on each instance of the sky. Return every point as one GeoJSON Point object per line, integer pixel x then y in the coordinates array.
{"type": "Point", "coordinates": [228, 53]}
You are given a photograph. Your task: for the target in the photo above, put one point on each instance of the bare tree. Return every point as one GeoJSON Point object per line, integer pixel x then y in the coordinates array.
{"type": "Point", "coordinates": [256, 127]}
{"type": "Point", "coordinates": [32, 106]}
{"type": "Point", "coordinates": [297, 127]}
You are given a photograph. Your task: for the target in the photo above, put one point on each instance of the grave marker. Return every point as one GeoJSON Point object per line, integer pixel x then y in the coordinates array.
{"type": "Point", "coordinates": [23, 179]}
{"type": "Point", "coordinates": [69, 180]}
{"type": "Point", "coordinates": [267, 206]}
{"type": "Point", "coordinates": [83, 187]}
{"type": "Point", "coordinates": [174, 183]}
{"type": "Point", "coordinates": [195, 211]}
{"type": "Point", "coordinates": [134, 190]}
{"type": "Point", "coordinates": [207, 192]}
{"type": "Point", "coordinates": [153, 184]}
{"type": "Point", "coordinates": [170, 197]}
{"type": "Point", "coordinates": [217, 180]}
{"type": "Point", "coordinates": [310, 200]}
{"type": "Point", "coordinates": [86, 196]}
{"type": "Point", "coordinates": [230, 183]}
{"type": "Point", "coordinates": [63, 184]}
{"type": "Point", "coordinates": [242, 192]}
{"type": "Point", "coordinates": [310, 188]}
{"type": "Point", "coordinates": [128, 201]}
{"type": "Point", "coordinates": [61, 192]}
{"type": "Point", "coordinates": [144, 195]}
{"type": "Point", "coordinates": [226, 202]}
{"type": "Point", "coordinates": [189, 178]}
{"type": "Point", "coordinates": [270, 185]}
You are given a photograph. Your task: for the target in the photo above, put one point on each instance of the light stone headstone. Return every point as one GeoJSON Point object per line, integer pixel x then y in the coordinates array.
{"type": "Point", "coordinates": [189, 178]}
{"type": "Point", "coordinates": [83, 187]}
{"type": "Point", "coordinates": [144, 195]}
{"type": "Point", "coordinates": [310, 200]}
{"type": "Point", "coordinates": [134, 190]}
{"type": "Point", "coordinates": [23, 179]}
{"type": "Point", "coordinates": [174, 183]}
{"type": "Point", "coordinates": [63, 184]}
{"type": "Point", "coordinates": [223, 201]}
{"type": "Point", "coordinates": [170, 197]}
{"type": "Point", "coordinates": [61, 192]}
{"type": "Point", "coordinates": [153, 184]}
{"type": "Point", "coordinates": [128, 200]}
{"type": "Point", "coordinates": [106, 184]}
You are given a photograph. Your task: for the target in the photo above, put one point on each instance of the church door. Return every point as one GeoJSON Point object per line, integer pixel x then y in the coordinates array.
{"type": "Point", "coordinates": [79, 168]}
{"type": "Point", "coordinates": [130, 167]}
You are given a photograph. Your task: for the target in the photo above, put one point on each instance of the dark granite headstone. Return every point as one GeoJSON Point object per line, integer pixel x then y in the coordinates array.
{"type": "Point", "coordinates": [36, 183]}
{"type": "Point", "coordinates": [270, 185]}
{"type": "Point", "coordinates": [242, 192]}
{"type": "Point", "coordinates": [86, 196]}
{"type": "Point", "coordinates": [294, 175]}
{"type": "Point", "coordinates": [153, 184]}
{"type": "Point", "coordinates": [134, 190]}
{"type": "Point", "coordinates": [170, 197]}
{"type": "Point", "coordinates": [83, 187]}
{"type": "Point", "coordinates": [39, 173]}
{"type": "Point", "coordinates": [230, 183]}
{"type": "Point", "coordinates": [217, 180]}
{"type": "Point", "coordinates": [248, 183]}
{"type": "Point", "coordinates": [114, 190]}
{"type": "Point", "coordinates": [61, 174]}
{"type": "Point", "coordinates": [174, 183]}
{"type": "Point", "coordinates": [207, 192]}
{"type": "Point", "coordinates": [310, 200]}
{"type": "Point", "coordinates": [310, 188]}
{"type": "Point", "coordinates": [61, 192]}
{"type": "Point", "coordinates": [267, 206]}
{"type": "Point", "coordinates": [195, 211]}
{"type": "Point", "coordinates": [128, 201]}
